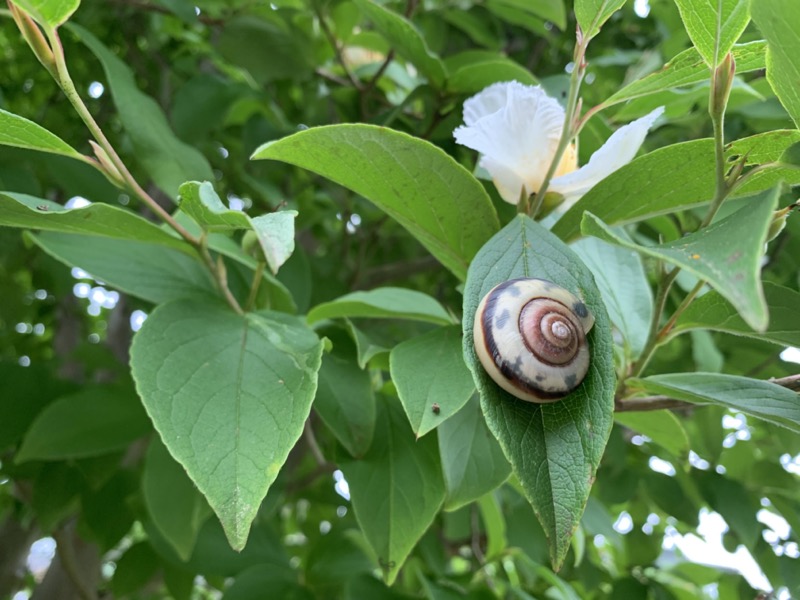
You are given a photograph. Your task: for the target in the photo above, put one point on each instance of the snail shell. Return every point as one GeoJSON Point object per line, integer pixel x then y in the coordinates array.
{"type": "Point", "coordinates": [530, 336]}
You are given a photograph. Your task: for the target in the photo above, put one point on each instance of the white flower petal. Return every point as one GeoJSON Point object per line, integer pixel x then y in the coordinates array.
{"type": "Point", "coordinates": [516, 128]}
{"type": "Point", "coordinates": [618, 151]}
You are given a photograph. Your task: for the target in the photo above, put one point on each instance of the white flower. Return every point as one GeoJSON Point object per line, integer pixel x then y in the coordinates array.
{"type": "Point", "coordinates": [516, 128]}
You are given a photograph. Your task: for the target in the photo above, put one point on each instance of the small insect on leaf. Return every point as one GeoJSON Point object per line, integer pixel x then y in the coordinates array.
{"type": "Point", "coordinates": [436, 408]}
{"type": "Point", "coordinates": [42, 207]}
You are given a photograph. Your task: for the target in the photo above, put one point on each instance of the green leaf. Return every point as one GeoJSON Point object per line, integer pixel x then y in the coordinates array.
{"type": "Point", "coordinates": [495, 525]}
{"type": "Point", "coordinates": [548, 10]}
{"type": "Point", "coordinates": [397, 489]}
{"type": "Point", "coordinates": [51, 13]}
{"type": "Point", "coordinates": [473, 77]}
{"type": "Point", "coordinates": [274, 231]}
{"type": "Point", "coordinates": [714, 25]}
{"type": "Point", "coordinates": [473, 462]}
{"type": "Point", "coordinates": [134, 569]}
{"type": "Point", "coordinates": [591, 14]}
{"type": "Point", "coordinates": [712, 311]}
{"type": "Point", "coordinates": [101, 420]}
{"type": "Point", "coordinates": [779, 21]}
{"type": "Point", "coordinates": [688, 68]}
{"type": "Point", "coordinates": [761, 399]}
{"type": "Point", "coordinates": [279, 580]}
{"type": "Point", "coordinates": [168, 160]}
{"type": "Point", "coordinates": [20, 210]}
{"type": "Point", "coordinates": [335, 559]}
{"type": "Point", "coordinates": [383, 303]}
{"type": "Point", "coordinates": [413, 181]}
{"type": "Point", "coordinates": [175, 506]}
{"type": "Point", "coordinates": [645, 187]}
{"type": "Point", "coordinates": [229, 395]}
{"type": "Point", "coordinates": [246, 39]}
{"type": "Point", "coordinates": [22, 133]}
{"type": "Point", "coordinates": [346, 404]}
{"type": "Point", "coordinates": [661, 426]}
{"type": "Point", "coordinates": [148, 271]}
{"type": "Point", "coordinates": [620, 276]}
{"type": "Point", "coordinates": [405, 39]}
{"type": "Point", "coordinates": [431, 378]}
{"type": "Point", "coordinates": [734, 502]}
{"type": "Point", "coordinates": [25, 391]}
{"type": "Point", "coordinates": [727, 254]}
{"type": "Point", "coordinates": [555, 448]}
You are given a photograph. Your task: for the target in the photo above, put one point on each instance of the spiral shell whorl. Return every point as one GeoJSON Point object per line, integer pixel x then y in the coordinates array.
{"type": "Point", "coordinates": [530, 338]}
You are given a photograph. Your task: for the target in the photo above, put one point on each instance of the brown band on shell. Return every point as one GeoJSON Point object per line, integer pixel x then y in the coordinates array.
{"type": "Point", "coordinates": [513, 377]}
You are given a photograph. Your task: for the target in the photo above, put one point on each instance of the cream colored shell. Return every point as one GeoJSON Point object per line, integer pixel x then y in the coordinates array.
{"type": "Point", "coordinates": [506, 356]}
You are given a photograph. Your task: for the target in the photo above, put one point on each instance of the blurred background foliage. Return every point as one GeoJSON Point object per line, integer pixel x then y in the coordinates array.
{"type": "Point", "coordinates": [710, 510]}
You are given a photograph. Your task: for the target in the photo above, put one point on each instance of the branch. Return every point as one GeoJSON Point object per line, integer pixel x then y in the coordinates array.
{"type": "Point", "coordinates": [792, 382]}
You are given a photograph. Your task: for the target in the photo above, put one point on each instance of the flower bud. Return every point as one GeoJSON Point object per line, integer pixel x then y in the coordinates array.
{"type": "Point", "coordinates": [779, 220]}
{"type": "Point", "coordinates": [109, 169]}
{"type": "Point", "coordinates": [722, 83]}
{"type": "Point", "coordinates": [34, 37]}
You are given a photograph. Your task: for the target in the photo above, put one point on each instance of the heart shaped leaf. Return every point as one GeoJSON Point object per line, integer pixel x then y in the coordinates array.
{"type": "Point", "coordinates": [229, 395]}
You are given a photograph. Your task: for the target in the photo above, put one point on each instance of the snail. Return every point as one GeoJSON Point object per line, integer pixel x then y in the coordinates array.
{"type": "Point", "coordinates": [530, 336]}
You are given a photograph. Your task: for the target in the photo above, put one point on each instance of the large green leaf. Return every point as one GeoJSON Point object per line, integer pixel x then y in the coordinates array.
{"type": "Point", "coordinates": [413, 181]}
{"type": "Point", "coordinates": [645, 187]}
{"type": "Point", "coordinates": [51, 13]}
{"type": "Point", "coordinates": [431, 378]}
{"type": "Point", "coordinates": [229, 395]}
{"type": "Point", "coordinates": [20, 210]}
{"type": "Point", "coordinates": [166, 159]}
{"type": "Point", "coordinates": [405, 39]}
{"type": "Point", "coordinates": [688, 68]}
{"type": "Point", "coordinates": [727, 254]}
{"type": "Point", "coordinates": [148, 271]}
{"type": "Point", "coordinates": [591, 14]}
{"type": "Point", "coordinates": [386, 303]}
{"type": "Point", "coordinates": [173, 503]}
{"type": "Point", "coordinates": [101, 420]}
{"type": "Point", "coordinates": [346, 404]}
{"type": "Point", "coordinates": [761, 399]}
{"type": "Point", "coordinates": [22, 133]}
{"type": "Point", "coordinates": [274, 231]}
{"type": "Point", "coordinates": [622, 281]}
{"type": "Point", "coordinates": [555, 448]}
{"type": "Point", "coordinates": [712, 311]}
{"type": "Point", "coordinates": [714, 25]}
{"type": "Point", "coordinates": [779, 21]}
{"type": "Point", "coordinates": [397, 488]}
{"type": "Point", "coordinates": [473, 462]}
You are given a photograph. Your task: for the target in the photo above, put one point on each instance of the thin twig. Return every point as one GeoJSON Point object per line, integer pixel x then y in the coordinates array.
{"type": "Point", "coordinates": [650, 403]}
{"type": "Point", "coordinates": [70, 564]}
{"type": "Point", "coordinates": [791, 382]}
{"type": "Point", "coordinates": [570, 118]}
{"type": "Point", "coordinates": [313, 445]}
{"type": "Point", "coordinates": [337, 50]}
{"type": "Point", "coordinates": [257, 277]}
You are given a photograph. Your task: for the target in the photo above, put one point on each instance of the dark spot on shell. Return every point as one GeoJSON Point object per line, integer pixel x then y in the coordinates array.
{"type": "Point", "coordinates": [570, 381]}
{"type": "Point", "coordinates": [540, 378]}
{"type": "Point", "coordinates": [580, 310]}
{"type": "Point", "coordinates": [513, 290]}
{"type": "Point", "coordinates": [503, 319]}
